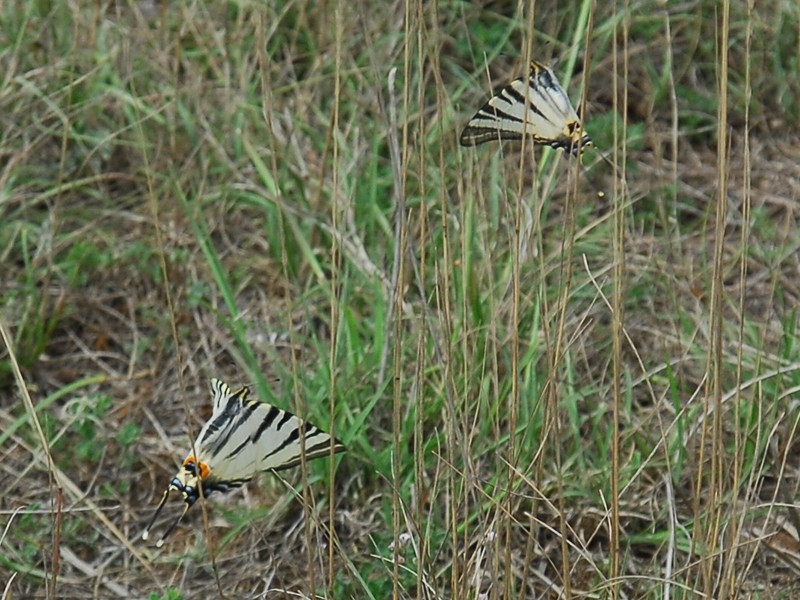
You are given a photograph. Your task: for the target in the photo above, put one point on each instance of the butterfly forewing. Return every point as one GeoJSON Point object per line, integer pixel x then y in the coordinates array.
{"type": "Point", "coordinates": [267, 438]}
{"type": "Point", "coordinates": [244, 437]}
{"type": "Point", "coordinates": [534, 106]}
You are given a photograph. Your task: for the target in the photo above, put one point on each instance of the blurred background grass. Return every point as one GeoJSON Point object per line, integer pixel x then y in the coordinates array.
{"type": "Point", "coordinates": [544, 392]}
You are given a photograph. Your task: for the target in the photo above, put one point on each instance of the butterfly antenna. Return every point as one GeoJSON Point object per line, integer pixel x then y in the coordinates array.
{"type": "Point", "coordinates": [608, 161]}
{"type": "Point", "coordinates": [146, 532]}
{"type": "Point", "coordinates": [172, 527]}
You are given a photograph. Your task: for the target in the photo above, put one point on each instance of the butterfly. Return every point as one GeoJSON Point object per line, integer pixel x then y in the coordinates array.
{"type": "Point", "coordinates": [242, 438]}
{"type": "Point", "coordinates": [535, 106]}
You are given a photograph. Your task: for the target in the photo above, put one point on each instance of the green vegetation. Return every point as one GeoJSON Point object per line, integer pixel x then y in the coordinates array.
{"type": "Point", "coordinates": [544, 392]}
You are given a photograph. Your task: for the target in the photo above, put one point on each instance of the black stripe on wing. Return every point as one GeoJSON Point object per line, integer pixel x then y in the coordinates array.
{"type": "Point", "coordinates": [266, 423]}
{"type": "Point", "coordinates": [313, 449]}
{"type": "Point", "coordinates": [236, 412]}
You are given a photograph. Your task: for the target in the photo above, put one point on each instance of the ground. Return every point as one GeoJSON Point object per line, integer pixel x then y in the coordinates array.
{"type": "Point", "coordinates": [555, 377]}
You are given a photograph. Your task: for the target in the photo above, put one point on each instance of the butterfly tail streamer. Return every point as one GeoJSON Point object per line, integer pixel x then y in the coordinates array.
{"type": "Point", "coordinates": [146, 532]}
{"type": "Point", "coordinates": [172, 527]}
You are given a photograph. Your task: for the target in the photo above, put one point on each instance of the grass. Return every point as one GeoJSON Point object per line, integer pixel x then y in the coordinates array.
{"type": "Point", "coordinates": [544, 393]}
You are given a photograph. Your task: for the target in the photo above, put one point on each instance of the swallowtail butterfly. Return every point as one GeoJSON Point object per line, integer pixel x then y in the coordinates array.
{"type": "Point", "coordinates": [535, 106]}
{"type": "Point", "coordinates": [242, 438]}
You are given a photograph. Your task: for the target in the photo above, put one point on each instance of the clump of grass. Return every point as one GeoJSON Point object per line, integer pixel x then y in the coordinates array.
{"type": "Point", "coordinates": [543, 394]}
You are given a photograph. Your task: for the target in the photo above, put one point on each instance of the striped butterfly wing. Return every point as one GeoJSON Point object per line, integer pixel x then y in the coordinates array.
{"type": "Point", "coordinates": [535, 106]}
{"type": "Point", "coordinates": [245, 436]}
{"type": "Point", "coordinates": [224, 432]}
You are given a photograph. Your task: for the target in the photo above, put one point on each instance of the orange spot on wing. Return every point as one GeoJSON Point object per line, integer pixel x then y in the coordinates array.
{"type": "Point", "coordinates": [202, 470]}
